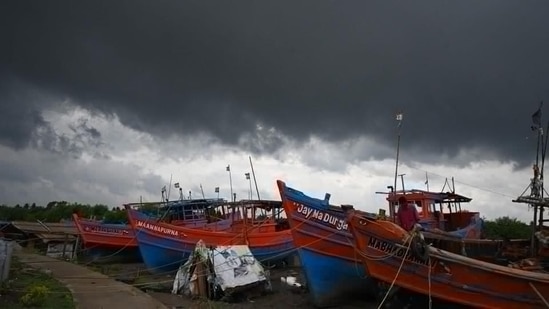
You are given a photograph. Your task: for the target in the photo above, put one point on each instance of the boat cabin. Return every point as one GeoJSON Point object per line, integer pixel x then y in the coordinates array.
{"type": "Point", "coordinates": [441, 210]}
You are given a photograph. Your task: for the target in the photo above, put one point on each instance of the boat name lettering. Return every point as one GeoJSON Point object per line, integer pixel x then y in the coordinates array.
{"type": "Point", "coordinates": [308, 212]}
{"type": "Point", "coordinates": [396, 251]}
{"type": "Point", "coordinates": [103, 229]}
{"type": "Point", "coordinates": [157, 228]}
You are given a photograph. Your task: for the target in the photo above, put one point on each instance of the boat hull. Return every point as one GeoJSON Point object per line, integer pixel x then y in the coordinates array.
{"type": "Point", "coordinates": [383, 247]}
{"type": "Point", "coordinates": [331, 267]}
{"type": "Point", "coordinates": [107, 242]}
{"type": "Point", "coordinates": [164, 247]}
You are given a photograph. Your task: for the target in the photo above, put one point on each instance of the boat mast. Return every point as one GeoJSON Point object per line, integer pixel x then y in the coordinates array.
{"type": "Point", "coordinates": [399, 119]}
{"type": "Point", "coordinates": [536, 198]}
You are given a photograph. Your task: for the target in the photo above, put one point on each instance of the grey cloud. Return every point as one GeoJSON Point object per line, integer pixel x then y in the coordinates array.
{"type": "Point", "coordinates": [466, 74]}
{"type": "Point", "coordinates": [28, 176]}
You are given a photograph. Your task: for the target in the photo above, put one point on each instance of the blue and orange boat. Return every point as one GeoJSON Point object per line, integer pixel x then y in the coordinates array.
{"type": "Point", "coordinates": [107, 241]}
{"type": "Point", "coordinates": [258, 224]}
{"type": "Point", "coordinates": [326, 247]}
{"type": "Point", "coordinates": [321, 235]}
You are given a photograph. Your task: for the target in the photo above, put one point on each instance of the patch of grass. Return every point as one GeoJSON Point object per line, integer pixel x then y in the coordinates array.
{"type": "Point", "coordinates": [32, 288]}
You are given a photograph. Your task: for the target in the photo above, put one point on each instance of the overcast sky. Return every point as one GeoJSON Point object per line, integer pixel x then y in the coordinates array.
{"type": "Point", "coordinates": [104, 101]}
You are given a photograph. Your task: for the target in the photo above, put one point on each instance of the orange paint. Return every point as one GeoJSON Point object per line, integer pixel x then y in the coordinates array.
{"type": "Point", "coordinates": [383, 246]}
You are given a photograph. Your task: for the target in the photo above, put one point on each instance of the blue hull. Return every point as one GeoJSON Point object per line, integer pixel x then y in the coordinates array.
{"type": "Point", "coordinates": [334, 272]}
{"type": "Point", "coordinates": [160, 258]}
{"type": "Point", "coordinates": [330, 278]}
{"type": "Point", "coordinates": [111, 255]}
{"type": "Point", "coordinates": [165, 254]}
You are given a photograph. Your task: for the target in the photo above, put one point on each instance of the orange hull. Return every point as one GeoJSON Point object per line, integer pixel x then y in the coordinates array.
{"type": "Point", "coordinates": [383, 245]}
{"type": "Point", "coordinates": [96, 234]}
{"type": "Point", "coordinates": [164, 246]}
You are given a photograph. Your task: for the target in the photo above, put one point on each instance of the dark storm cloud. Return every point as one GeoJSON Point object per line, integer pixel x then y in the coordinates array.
{"type": "Point", "coordinates": [20, 114]}
{"type": "Point", "coordinates": [28, 177]}
{"type": "Point", "coordinates": [467, 74]}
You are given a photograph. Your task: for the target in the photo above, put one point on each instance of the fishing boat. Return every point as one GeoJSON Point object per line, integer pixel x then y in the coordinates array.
{"type": "Point", "coordinates": [101, 240]}
{"type": "Point", "coordinates": [258, 224]}
{"type": "Point", "coordinates": [325, 244]}
{"type": "Point", "coordinates": [396, 257]}
{"type": "Point", "coordinates": [391, 254]}
{"type": "Point", "coordinates": [332, 269]}
{"type": "Point", "coordinates": [108, 241]}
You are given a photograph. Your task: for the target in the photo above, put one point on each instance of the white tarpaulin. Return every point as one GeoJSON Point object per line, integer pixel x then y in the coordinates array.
{"type": "Point", "coordinates": [228, 266]}
{"type": "Point", "coordinates": [235, 266]}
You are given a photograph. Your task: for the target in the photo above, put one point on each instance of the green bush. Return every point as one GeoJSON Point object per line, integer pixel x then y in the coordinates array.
{"type": "Point", "coordinates": [506, 228]}
{"type": "Point", "coordinates": [35, 296]}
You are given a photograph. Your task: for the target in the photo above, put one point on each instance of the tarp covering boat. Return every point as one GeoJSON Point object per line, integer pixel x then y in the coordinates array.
{"type": "Point", "coordinates": [224, 268]}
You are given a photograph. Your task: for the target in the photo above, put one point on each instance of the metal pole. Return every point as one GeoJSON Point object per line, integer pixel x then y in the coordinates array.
{"type": "Point", "coordinates": [253, 174]}
{"type": "Point", "coordinates": [402, 180]}
{"type": "Point", "coordinates": [399, 119]}
{"type": "Point", "coordinates": [230, 180]}
{"type": "Point", "coordinates": [251, 192]}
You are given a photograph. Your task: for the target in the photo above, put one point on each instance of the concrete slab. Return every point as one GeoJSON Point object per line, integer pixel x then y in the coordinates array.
{"type": "Point", "coordinates": [91, 290]}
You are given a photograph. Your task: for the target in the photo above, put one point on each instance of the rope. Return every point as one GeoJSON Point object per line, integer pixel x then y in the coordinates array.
{"type": "Point", "coordinates": [539, 295]}
{"type": "Point", "coordinates": [429, 279]}
{"type": "Point", "coordinates": [409, 240]}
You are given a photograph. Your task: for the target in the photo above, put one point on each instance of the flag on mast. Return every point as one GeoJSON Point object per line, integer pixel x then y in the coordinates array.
{"type": "Point", "coordinates": [399, 117]}
{"type": "Point", "coordinates": [176, 185]}
{"type": "Point", "coordinates": [216, 189]}
{"type": "Point", "coordinates": [247, 175]}
{"type": "Point", "coordinates": [228, 168]}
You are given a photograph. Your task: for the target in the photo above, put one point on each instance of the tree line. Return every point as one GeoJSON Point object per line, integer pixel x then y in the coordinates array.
{"type": "Point", "coordinates": [57, 211]}
{"type": "Point", "coordinates": [499, 228]}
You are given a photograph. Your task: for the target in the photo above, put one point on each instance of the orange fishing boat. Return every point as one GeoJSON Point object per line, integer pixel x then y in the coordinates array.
{"type": "Point", "coordinates": [325, 246]}
{"type": "Point", "coordinates": [101, 240]}
{"type": "Point", "coordinates": [258, 224]}
{"type": "Point", "coordinates": [405, 259]}
{"type": "Point", "coordinates": [391, 254]}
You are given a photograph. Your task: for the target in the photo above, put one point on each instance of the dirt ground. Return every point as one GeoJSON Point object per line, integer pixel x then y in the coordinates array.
{"type": "Point", "coordinates": [280, 296]}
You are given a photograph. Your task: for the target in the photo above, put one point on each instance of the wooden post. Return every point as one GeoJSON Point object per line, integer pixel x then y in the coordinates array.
{"type": "Point", "coordinates": [65, 245]}
{"type": "Point", "coordinates": [75, 248]}
{"type": "Point", "coordinates": [200, 272]}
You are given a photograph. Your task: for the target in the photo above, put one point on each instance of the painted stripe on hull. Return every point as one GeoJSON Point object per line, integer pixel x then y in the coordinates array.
{"type": "Point", "coordinates": [166, 255]}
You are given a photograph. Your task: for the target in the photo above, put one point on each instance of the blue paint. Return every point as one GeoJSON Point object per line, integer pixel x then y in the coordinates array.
{"type": "Point", "coordinates": [165, 254]}
{"type": "Point", "coordinates": [330, 279]}
{"type": "Point", "coordinates": [112, 255]}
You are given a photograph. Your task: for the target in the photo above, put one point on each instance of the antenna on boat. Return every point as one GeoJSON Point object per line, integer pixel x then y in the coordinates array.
{"type": "Point", "coordinates": [202, 190]}
{"type": "Point", "coordinates": [169, 188]}
{"type": "Point", "coordinates": [536, 197]}
{"type": "Point", "coordinates": [427, 181]}
{"type": "Point", "coordinates": [399, 119]}
{"type": "Point", "coordinates": [255, 181]}
{"type": "Point", "coordinates": [230, 181]}
{"type": "Point", "coordinates": [402, 180]}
